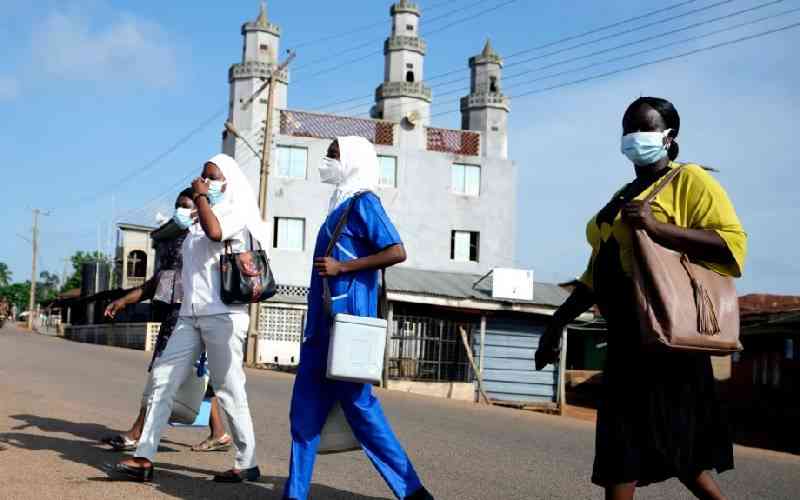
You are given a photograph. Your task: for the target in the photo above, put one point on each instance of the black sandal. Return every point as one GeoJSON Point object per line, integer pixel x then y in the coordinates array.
{"type": "Point", "coordinates": [138, 474]}
{"type": "Point", "coordinates": [252, 474]}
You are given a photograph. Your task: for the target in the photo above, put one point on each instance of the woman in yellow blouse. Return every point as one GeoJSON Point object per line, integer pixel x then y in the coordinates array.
{"type": "Point", "coordinates": [659, 416]}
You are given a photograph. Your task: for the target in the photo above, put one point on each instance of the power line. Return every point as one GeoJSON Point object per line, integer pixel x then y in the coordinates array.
{"type": "Point", "coordinates": [155, 161]}
{"type": "Point", "coordinates": [648, 63]}
{"type": "Point", "coordinates": [372, 43]}
{"type": "Point", "coordinates": [148, 205]}
{"type": "Point", "coordinates": [543, 46]}
{"type": "Point", "coordinates": [368, 27]}
{"type": "Point", "coordinates": [448, 26]}
{"type": "Point", "coordinates": [627, 56]}
{"type": "Point", "coordinates": [628, 44]}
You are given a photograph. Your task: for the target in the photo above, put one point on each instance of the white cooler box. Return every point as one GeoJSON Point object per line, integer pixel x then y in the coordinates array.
{"type": "Point", "coordinates": [357, 345]}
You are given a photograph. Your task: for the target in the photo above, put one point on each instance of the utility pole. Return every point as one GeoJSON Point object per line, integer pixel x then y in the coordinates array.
{"type": "Point", "coordinates": [269, 85]}
{"type": "Point", "coordinates": [35, 246]}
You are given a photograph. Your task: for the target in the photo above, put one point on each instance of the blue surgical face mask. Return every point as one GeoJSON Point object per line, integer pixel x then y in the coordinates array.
{"type": "Point", "coordinates": [215, 194]}
{"type": "Point", "coordinates": [183, 217]}
{"type": "Point", "coordinates": [645, 148]}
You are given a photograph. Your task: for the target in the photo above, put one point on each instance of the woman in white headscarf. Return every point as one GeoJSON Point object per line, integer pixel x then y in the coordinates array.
{"type": "Point", "coordinates": [368, 243]}
{"type": "Point", "coordinates": [227, 211]}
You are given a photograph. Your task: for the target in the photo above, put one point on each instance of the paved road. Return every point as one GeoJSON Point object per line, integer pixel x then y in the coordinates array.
{"type": "Point", "coordinates": [58, 397]}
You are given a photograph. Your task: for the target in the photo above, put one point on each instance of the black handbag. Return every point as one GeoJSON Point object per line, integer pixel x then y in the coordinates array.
{"type": "Point", "coordinates": [245, 277]}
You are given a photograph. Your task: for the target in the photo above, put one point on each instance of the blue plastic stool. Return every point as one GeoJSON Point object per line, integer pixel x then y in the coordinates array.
{"type": "Point", "coordinates": [203, 416]}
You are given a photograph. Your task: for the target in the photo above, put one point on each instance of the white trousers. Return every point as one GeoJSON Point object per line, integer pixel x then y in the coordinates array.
{"type": "Point", "coordinates": [224, 338]}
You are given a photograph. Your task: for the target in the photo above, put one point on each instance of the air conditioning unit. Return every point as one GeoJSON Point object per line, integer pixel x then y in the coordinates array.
{"type": "Point", "coordinates": [512, 284]}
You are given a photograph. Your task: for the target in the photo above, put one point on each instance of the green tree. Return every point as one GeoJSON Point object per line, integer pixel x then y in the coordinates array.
{"type": "Point", "coordinates": [47, 286]}
{"type": "Point", "coordinates": [17, 294]}
{"type": "Point", "coordinates": [5, 275]}
{"type": "Point", "coordinates": [78, 260]}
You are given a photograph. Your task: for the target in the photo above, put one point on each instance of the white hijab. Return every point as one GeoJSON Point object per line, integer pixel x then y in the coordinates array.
{"type": "Point", "coordinates": [239, 194]}
{"type": "Point", "coordinates": [359, 164]}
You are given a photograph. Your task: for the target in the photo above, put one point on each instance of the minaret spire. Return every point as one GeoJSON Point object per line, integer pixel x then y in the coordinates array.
{"type": "Point", "coordinates": [261, 20]}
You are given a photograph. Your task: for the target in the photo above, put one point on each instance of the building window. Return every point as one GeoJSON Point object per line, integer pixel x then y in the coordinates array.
{"type": "Point", "coordinates": [410, 76]}
{"type": "Point", "coordinates": [292, 162]}
{"type": "Point", "coordinates": [137, 264]}
{"type": "Point", "coordinates": [465, 246]}
{"type": "Point", "coordinates": [466, 179]}
{"type": "Point", "coordinates": [388, 171]}
{"type": "Point", "coordinates": [264, 47]}
{"type": "Point", "coordinates": [493, 84]}
{"type": "Point", "coordinates": [409, 27]}
{"type": "Point", "coordinates": [409, 66]}
{"type": "Point", "coordinates": [289, 234]}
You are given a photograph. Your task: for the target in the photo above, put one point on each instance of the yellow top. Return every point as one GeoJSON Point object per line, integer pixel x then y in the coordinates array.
{"type": "Point", "coordinates": [694, 200]}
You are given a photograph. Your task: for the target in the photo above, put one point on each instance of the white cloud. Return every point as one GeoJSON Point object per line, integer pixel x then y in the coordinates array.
{"type": "Point", "coordinates": [70, 46]}
{"type": "Point", "coordinates": [9, 88]}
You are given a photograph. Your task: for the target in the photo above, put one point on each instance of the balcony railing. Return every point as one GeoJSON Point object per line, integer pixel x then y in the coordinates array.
{"type": "Point", "coordinates": [303, 124]}
{"type": "Point", "coordinates": [460, 142]}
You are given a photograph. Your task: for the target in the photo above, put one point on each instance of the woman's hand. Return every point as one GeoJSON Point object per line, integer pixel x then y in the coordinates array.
{"type": "Point", "coordinates": [639, 215]}
{"type": "Point", "coordinates": [115, 307]}
{"type": "Point", "coordinates": [327, 267]}
{"type": "Point", "coordinates": [200, 186]}
{"type": "Point", "coordinates": [549, 349]}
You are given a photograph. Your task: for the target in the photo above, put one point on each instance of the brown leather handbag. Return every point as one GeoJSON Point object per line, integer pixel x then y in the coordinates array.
{"type": "Point", "coordinates": [682, 305]}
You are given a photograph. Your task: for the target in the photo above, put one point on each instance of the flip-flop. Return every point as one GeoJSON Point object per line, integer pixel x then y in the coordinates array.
{"type": "Point", "coordinates": [121, 443]}
{"type": "Point", "coordinates": [211, 444]}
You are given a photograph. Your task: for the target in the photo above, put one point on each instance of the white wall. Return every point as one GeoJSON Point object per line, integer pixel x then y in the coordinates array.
{"type": "Point", "coordinates": [422, 206]}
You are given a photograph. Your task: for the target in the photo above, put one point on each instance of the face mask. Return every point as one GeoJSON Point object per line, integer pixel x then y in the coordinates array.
{"type": "Point", "coordinates": [215, 194]}
{"type": "Point", "coordinates": [330, 172]}
{"type": "Point", "coordinates": [645, 148]}
{"type": "Point", "coordinates": [183, 217]}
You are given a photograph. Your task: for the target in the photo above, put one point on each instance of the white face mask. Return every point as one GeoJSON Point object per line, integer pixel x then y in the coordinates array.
{"type": "Point", "coordinates": [330, 171]}
{"type": "Point", "coordinates": [645, 148]}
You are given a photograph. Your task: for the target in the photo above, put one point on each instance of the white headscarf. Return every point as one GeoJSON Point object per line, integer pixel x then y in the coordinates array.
{"type": "Point", "coordinates": [239, 194]}
{"type": "Point", "coordinates": [359, 164]}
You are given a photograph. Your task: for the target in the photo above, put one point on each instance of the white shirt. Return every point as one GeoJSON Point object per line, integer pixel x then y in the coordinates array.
{"type": "Point", "coordinates": [201, 273]}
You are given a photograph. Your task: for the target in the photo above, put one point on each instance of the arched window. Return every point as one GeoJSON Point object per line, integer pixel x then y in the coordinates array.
{"type": "Point", "coordinates": [493, 84]}
{"type": "Point", "coordinates": [410, 76]}
{"type": "Point", "coordinates": [137, 264]}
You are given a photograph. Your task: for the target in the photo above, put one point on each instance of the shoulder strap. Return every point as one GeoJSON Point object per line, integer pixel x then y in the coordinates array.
{"type": "Point", "coordinates": [340, 225]}
{"type": "Point", "coordinates": [383, 298]}
{"type": "Point", "coordinates": [664, 182]}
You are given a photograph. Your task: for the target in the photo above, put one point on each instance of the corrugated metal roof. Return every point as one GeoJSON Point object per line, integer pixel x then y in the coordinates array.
{"type": "Point", "coordinates": [460, 286]}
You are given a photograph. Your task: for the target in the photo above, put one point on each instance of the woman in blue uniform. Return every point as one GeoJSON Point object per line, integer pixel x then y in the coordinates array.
{"type": "Point", "coordinates": [368, 243]}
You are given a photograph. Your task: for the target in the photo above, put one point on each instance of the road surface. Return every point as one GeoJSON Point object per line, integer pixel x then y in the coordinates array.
{"type": "Point", "coordinates": [57, 398]}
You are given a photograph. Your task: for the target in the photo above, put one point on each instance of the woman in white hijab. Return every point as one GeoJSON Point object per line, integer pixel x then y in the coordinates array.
{"type": "Point", "coordinates": [368, 243]}
{"type": "Point", "coordinates": [227, 211]}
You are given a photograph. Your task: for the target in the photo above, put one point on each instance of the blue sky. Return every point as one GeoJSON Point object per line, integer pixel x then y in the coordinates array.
{"type": "Point", "coordinates": [92, 91]}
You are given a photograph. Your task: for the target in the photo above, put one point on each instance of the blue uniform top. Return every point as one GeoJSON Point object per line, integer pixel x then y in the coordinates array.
{"type": "Point", "coordinates": [368, 231]}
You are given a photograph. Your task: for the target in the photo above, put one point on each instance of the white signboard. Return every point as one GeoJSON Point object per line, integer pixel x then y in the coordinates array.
{"type": "Point", "coordinates": [514, 284]}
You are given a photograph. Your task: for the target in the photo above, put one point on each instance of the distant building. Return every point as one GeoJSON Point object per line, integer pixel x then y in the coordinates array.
{"type": "Point", "coordinates": [134, 261]}
{"type": "Point", "coordinates": [451, 193]}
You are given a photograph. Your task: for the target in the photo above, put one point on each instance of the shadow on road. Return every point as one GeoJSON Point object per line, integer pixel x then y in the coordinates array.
{"type": "Point", "coordinates": [170, 479]}
{"type": "Point", "coordinates": [90, 432]}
